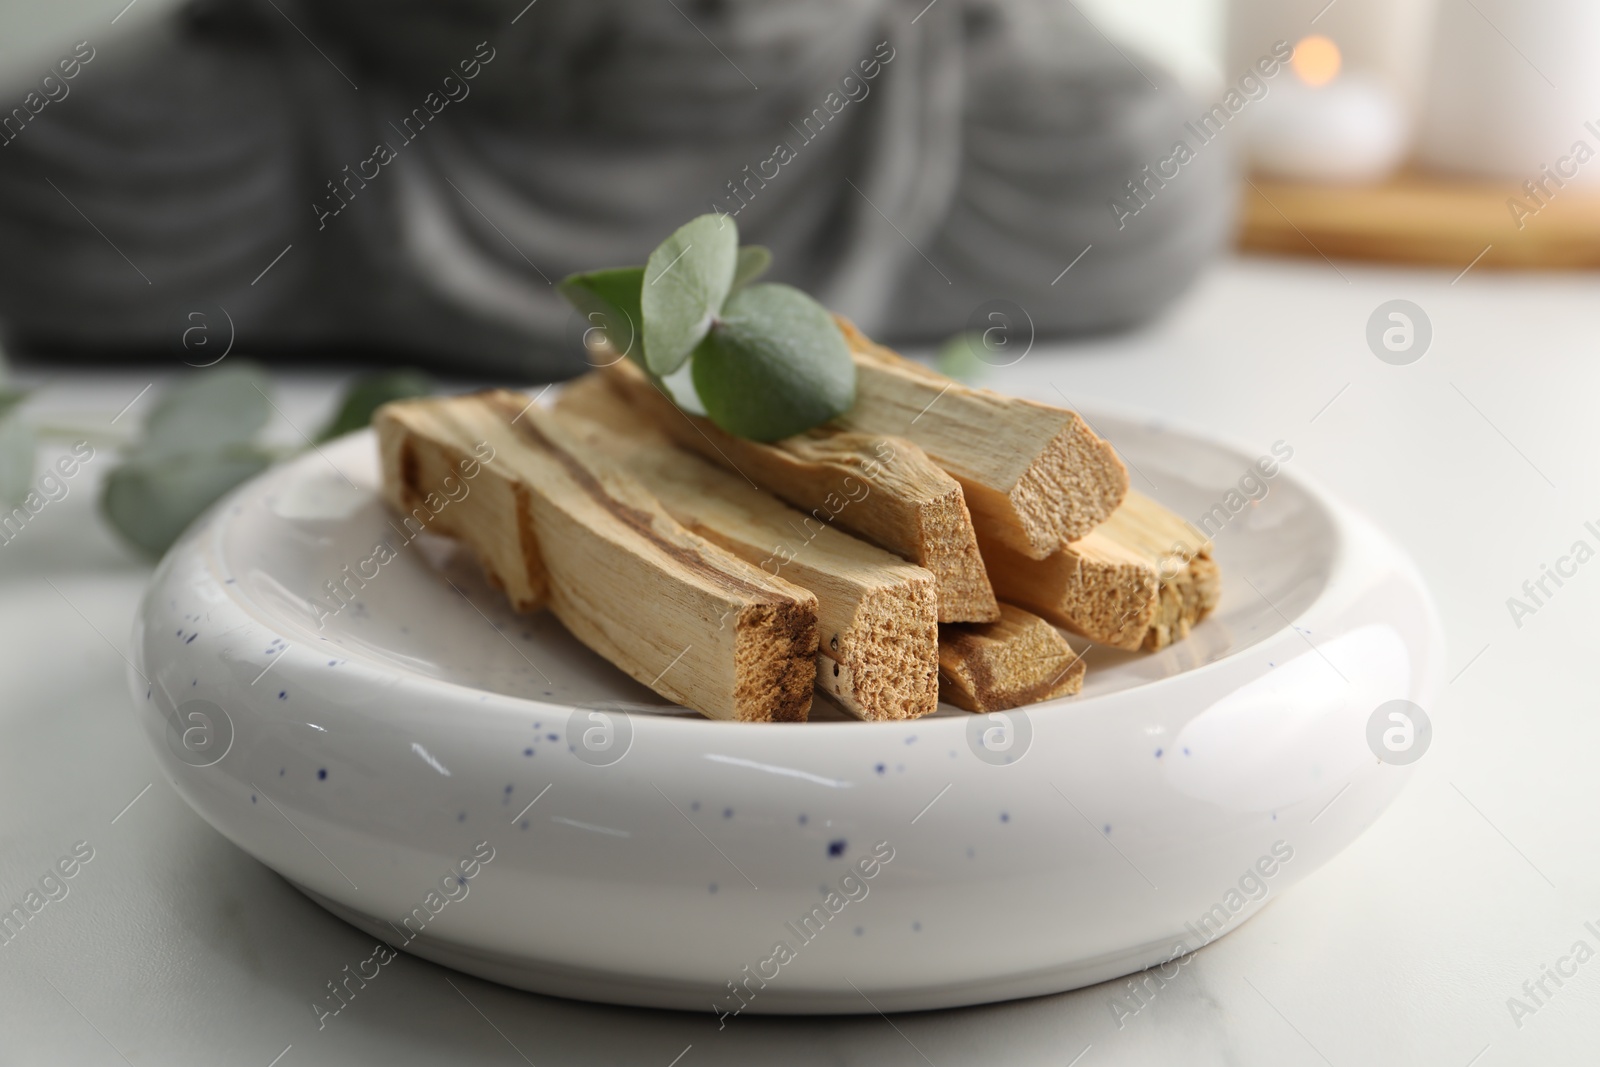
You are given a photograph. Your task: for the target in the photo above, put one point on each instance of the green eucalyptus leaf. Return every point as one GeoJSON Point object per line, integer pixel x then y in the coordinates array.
{"type": "Point", "coordinates": [752, 263]}
{"type": "Point", "coordinates": [609, 300]}
{"type": "Point", "coordinates": [958, 357]}
{"type": "Point", "coordinates": [17, 443]}
{"type": "Point", "coordinates": [368, 393]}
{"type": "Point", "coordinates": [775, 364]}
{"type": "Point", "coordinates": [152, 498]}
{"type": "Point", "coordinates": [209, 409]}
{"type": "Point", "coordinates": [686, 282]}
{"type": "Point", "coordinates": [10, 398]}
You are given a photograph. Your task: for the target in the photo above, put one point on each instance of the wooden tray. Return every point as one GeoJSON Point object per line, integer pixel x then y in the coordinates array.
{"type": "Point", "coordinates": [1421, 218]}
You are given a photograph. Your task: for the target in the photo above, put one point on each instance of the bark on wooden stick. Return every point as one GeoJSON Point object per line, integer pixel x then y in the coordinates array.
{"type": "Point", "coordinates": [1036, 477]}
{"type": "Point", "coordinates": [676, 612]}
{"type": "Point", "coordinates": [879, 487]}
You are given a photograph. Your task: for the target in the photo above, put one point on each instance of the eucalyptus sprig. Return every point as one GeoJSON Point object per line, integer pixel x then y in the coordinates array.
{"type": "Point", "coordinates": [767, 361]}
{"type": "Point", "coordinates": [199, 440]}
{"type": "Point", "coordinates": [958, 357]}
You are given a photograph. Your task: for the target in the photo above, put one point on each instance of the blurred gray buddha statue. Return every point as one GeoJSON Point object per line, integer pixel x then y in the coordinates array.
{"type": "Point", "coordinates": [405, 182]}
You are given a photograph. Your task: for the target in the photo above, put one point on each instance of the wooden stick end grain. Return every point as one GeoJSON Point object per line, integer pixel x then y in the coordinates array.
{"type": "Point", "coordinates": [882, 666]}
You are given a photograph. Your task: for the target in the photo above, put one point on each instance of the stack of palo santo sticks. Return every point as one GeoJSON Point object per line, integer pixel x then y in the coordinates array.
{"type": "Point", "coordinates": [926, 545]}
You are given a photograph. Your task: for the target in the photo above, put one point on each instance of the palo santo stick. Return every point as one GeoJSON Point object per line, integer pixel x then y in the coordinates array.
{"type": "Point", "coordinates": [449, 486]}
{"type": "Point", "coordinates": [678, 613]}
{"type": "Point", "coordinates": [1035, 476]}
{"type": "Point", "coordinates": [881, 488]}
{"type": "Point", "coordinates": [992, 666]}
{"type": "Point", "coordinates": [1140, 579]}
{"type": "Point", "coordinates": [878, 628]}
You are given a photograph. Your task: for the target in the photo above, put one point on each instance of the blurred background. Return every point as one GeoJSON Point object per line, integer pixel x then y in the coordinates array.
{"type": "Point", "coordinates": [1376, 243]}
{"type": "Point", "coordinates": [409, 181]}
{"type": "Point", "coordinates": [406, 183]}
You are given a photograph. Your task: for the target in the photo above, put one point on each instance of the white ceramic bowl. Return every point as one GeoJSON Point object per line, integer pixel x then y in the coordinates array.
{"type": "Point", "coordinates": [423, 723]}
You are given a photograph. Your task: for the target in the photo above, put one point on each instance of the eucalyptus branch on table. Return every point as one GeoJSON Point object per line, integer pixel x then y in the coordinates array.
{"type": "Point", "coordinates": [200, 439]}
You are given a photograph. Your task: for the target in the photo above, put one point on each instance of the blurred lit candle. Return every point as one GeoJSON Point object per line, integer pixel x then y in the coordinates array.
{"type": "Point", "coordinates": [1320, 123]}
{"type": "Point", "coordinates": [1343, 109]}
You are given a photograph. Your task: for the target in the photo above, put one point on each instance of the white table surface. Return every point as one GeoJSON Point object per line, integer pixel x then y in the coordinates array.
{"type": "Point", "coordinates": [173, 947]}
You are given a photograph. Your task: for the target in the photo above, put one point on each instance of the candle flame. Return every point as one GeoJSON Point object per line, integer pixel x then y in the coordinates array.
{"type": "Point", "coordinates": [1316, 60]}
